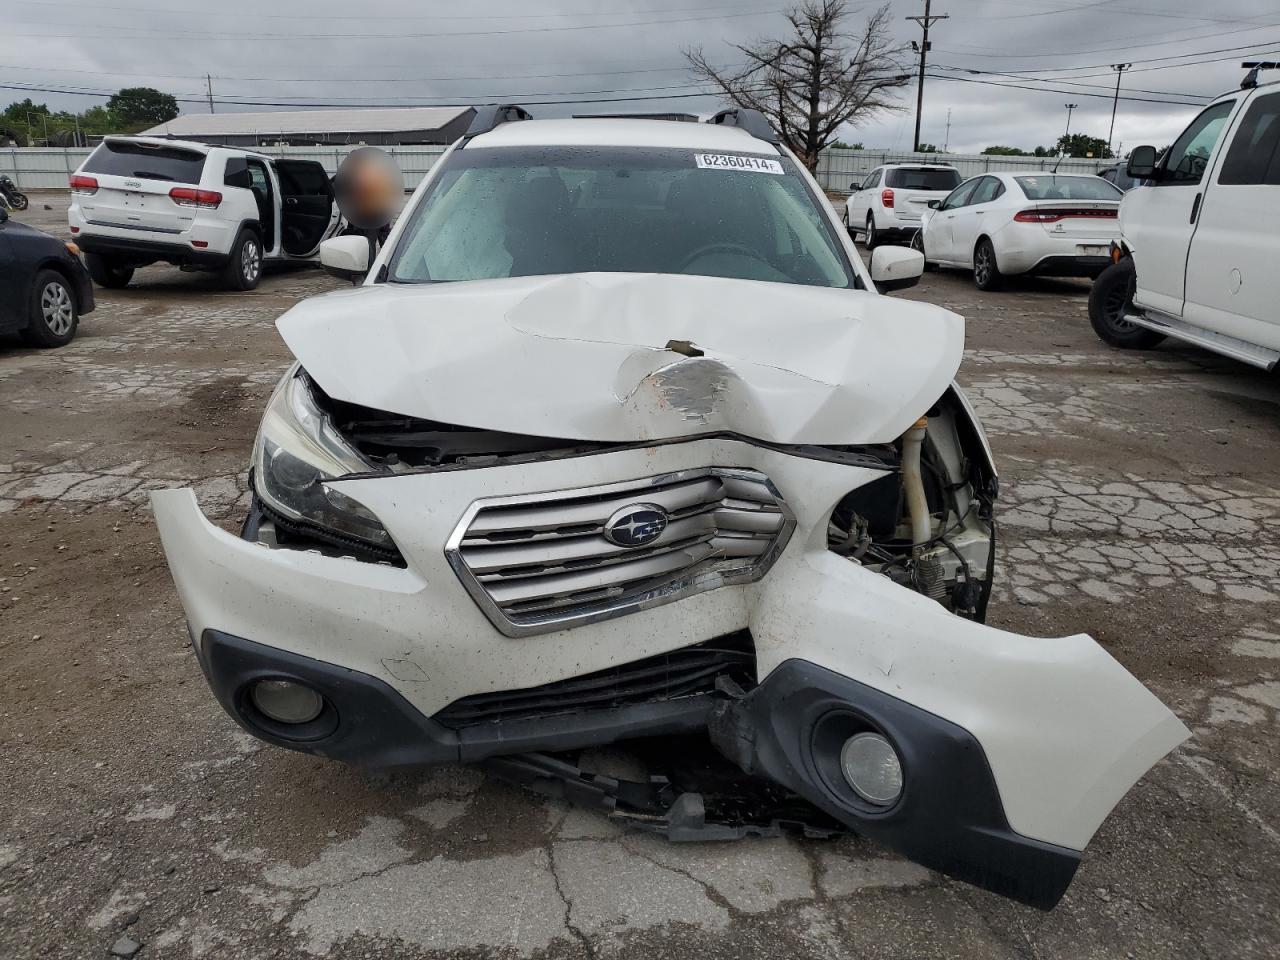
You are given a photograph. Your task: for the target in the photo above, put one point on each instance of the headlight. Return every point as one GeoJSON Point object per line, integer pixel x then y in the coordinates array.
{"type": "Point", "coordinates": [297, 451]}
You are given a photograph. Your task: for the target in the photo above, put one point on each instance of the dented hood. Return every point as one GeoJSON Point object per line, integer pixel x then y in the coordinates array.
{"type": "Point", "coordinates": [627, 357]}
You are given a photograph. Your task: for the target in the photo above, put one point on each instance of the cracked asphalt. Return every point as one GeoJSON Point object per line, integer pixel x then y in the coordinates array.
{"type": "Point", "coordinates": [1140, 503]}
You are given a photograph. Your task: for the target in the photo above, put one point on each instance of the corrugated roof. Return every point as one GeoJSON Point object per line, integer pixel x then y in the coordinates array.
{"type": "Point", "coordinates": [294, 122]}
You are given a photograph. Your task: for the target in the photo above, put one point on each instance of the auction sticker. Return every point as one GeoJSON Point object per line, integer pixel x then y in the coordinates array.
{"type": "Point", "coordinates": [729, 161]}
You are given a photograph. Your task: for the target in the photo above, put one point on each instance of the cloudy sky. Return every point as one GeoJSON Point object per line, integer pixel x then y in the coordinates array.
{"type": "Point", "coordinates": [985, 57]}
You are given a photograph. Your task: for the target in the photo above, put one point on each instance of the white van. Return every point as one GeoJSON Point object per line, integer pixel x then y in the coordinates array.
{"type": "Point", "coordinates": [1199, 248]}
{"type": "Point", "coordinates": [139, 200]}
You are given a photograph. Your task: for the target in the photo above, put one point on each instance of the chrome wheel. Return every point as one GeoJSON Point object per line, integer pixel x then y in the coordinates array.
{"type": "Point", "coordinates": [250, 261]}
{"type": "Point", "coordinates": [57, 308]}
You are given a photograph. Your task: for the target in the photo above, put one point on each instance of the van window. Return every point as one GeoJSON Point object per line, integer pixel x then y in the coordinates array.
{"type": "Point", "coordinates": [130, 158]}
{"type": "Point", "coordinates": [1189, 156]}
{"type": "Point", "coordinates": [1254, 155]}
{"type": "Point", "coordinates": [922, 178]}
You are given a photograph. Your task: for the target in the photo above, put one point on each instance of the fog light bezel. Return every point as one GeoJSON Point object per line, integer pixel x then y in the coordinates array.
{"type": "Point", "coordinates": [322, 725]}
{"type": "Point", "coordinates": [828, 737]}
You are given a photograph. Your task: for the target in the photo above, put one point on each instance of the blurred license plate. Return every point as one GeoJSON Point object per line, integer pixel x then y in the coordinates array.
{"type": "Point", "coordinates": [1092, 251]}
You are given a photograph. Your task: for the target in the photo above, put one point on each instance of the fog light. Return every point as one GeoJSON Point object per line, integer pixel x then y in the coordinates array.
{"type": "Point", "coordinates": [870, 764]}
{"type": "Point", "coordinates": [286, 702]}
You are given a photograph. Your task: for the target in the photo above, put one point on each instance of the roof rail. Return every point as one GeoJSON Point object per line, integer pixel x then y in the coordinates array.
{"type": "Point", "coordinates": [490, 115]}
{"type": "Point", "coordinates": [1255, 67]}
{"type": "Point", "coordinates": [752, 121]}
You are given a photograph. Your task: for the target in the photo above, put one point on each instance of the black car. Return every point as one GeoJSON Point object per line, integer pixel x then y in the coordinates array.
{"type": "Point", "coordinates": [44, 288]}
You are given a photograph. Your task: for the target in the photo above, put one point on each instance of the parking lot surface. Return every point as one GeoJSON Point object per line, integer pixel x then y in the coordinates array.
{"type": "Point", "coordinates": [1140, 503]}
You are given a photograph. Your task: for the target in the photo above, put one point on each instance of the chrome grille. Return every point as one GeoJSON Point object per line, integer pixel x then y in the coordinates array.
{"type": "Point", "coordinates": [542, 562]}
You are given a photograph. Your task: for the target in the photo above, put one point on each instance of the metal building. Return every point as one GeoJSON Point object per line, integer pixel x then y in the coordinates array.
{"type": "Point", "coordinates": [381, 127]}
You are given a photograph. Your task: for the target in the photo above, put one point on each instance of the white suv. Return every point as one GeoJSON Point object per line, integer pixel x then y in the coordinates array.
{"type": "Point", "coordinates": [890, 202]}
{"type": "Point", "coordinates": [139, 200]}
{"type": "Point", "coordinates": [618, 439]}
{"type": "Point", "coordinates": [1199, 249]}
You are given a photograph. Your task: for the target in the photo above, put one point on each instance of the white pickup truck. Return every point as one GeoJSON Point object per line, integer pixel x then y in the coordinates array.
{"type": "Point", "coordinates": [1199, 250]}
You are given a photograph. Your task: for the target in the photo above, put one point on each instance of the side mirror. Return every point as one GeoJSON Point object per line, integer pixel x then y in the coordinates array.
{"type": "Point", "coordinates": [896, 268]}
{"type": "Point", "coordinates": [346, 258]}
{"type": "Point", "coordinates": [1142, 163]}
{"type": "Point", "coordinates": [935, 204]}
{"type": "Point", "coordinates": [855, 187]}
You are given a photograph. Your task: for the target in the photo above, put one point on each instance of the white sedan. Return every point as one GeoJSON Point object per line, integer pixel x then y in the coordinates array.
{"type": "Point", "coordinates": [999, 224]}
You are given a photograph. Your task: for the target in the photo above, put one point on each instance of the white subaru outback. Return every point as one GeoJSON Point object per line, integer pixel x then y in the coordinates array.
{"type": "Point", "coordinates": [616, 439]}
{"type": "Point", "coordinates": [139, 200]}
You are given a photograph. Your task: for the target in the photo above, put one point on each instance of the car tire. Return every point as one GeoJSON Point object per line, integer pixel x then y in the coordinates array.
{"type": "Point", "coordinates": [52, 314]}
{"type": "Point", "coordinates": [986, 272]}
{"type": "Point", "coordinates": [106, 272]}
{"type": "Point", "coordinates": [244, 267]}
{"type": "Point", "coordinates": [1110, 297]}
{"type": "Point", "coordinates": [873, 235]}
{"type": "Point", "coordinates": [21, 202]}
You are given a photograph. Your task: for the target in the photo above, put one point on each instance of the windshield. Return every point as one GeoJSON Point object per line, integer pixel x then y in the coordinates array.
{"type": "Point", "coordinates": [923, 178]}
{"type": "Point", "coordinates": [1068, 188]}
{"type": "Point", "coordinates": [525, 211]}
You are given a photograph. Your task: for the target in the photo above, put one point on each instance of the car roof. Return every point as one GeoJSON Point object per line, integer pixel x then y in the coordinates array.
{"type": "Point", "coordinates": [622, 132]}
{"type": "Point", "coordinates": [1010, 174]}
{"type": "Point", "coordinates": [916, 166]}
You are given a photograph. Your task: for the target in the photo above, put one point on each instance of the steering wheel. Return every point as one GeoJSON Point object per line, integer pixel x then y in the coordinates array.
{"type": "Point", "coordinates": [718, 247]}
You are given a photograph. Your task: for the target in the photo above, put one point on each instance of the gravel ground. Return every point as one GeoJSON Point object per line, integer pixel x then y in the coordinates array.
{"type": "Point", "coordinates": [1140, 503]}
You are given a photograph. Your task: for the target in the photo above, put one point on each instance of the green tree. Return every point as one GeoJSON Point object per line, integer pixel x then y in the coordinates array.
{"type": "Point", "coordinates": [928, 148]}
{"type": "Point", "coordinates": [1083, 145]}
{"type": "Point", "coordinates": [841, 145]}
{"type": "Point", "coordinates": [1044, 152]}
{"type": "Point", "coordinates": [998, 151]}
{"type": "Point", "coordinates": [136, 108]}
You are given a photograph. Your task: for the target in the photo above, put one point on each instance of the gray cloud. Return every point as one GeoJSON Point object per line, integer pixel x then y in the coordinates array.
{"type": "Point", "coordinates": [404, 51]}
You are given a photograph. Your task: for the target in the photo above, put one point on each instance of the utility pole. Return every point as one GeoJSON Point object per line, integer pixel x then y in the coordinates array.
{"type": "Point", "coordinates": [1119, 68]}
{"type": "Point", "coordinates": [947, 140]}
{"type": "Point", "coordinates": [1067, 133]}
{"type": "Point", "coordinates": [925, 23]}
{"type": "Point", "coordinates": [208, 78]}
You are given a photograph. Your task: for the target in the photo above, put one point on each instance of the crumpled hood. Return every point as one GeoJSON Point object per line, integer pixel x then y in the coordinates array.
{"type": "Point", "coordinates": [607, 356]}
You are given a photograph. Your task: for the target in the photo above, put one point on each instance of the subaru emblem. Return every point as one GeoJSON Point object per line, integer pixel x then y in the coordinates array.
{"type": "Point", "coordinates": [636, 525]}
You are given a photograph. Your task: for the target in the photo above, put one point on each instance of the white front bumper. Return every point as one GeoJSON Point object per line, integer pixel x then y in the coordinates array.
{"type": "Point", "coordinates": [1065, 729]}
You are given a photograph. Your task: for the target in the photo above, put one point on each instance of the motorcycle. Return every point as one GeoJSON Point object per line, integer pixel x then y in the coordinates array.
{"type": "Point", "coordinates": [10, 195]}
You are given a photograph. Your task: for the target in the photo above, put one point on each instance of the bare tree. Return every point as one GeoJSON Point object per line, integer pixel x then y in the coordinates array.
{"type": "Point", "coordinates": [821, 77]}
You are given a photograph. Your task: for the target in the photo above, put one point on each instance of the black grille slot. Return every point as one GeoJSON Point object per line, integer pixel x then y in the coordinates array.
{"type": "Point", "coordinates": [667, 676]}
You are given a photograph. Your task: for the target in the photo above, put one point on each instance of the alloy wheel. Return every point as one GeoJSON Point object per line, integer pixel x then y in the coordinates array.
{"type": "Point", "coordinates": [57, 308]}
{"type": "Point", "coordinates": [982, 264]}
{"type": "Point", "coordinates": [250, 261]}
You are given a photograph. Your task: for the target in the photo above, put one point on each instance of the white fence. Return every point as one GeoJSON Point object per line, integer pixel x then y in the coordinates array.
{"type": "Point", "coordinates": [41, 168]}
{"type": "Point", "coordinates": [35, 168]}
{"type": "Point", "coordinates": [837, 169]}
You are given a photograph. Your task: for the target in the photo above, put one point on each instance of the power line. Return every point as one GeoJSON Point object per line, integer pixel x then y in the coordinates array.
{"type": "Point", "coordinates": [45, 5]}
{"type": "Point", "coordinates": [1073, 93]}
{"type": "Point", "coordinates": [454, 103]}
{"type": "Point", "coordinates": [1069, 82]}
{"type": "Point", "coordinates": [139, 33]}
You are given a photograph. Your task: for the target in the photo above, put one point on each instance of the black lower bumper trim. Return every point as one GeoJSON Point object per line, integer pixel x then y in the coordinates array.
{"type": "Point", "coordinates": [141, 252]}
{"type": "Point", "coordinates": [949, 816]}
{"type": "Point", "coordinates": [789, 730]}
{"type": "Point", "coordinates": [377, 727]}
{"type": "Point", "coordinates": [1070, 266]}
